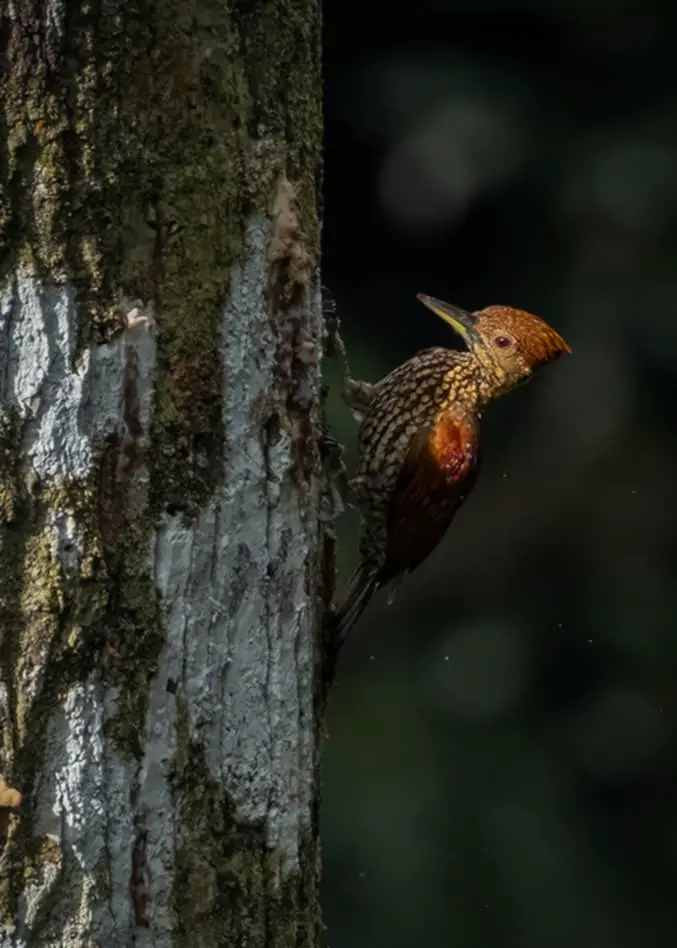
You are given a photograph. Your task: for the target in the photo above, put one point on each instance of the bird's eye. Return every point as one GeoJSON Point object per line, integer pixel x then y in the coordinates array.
{"type": "Point", "coordinates": [502, 342]}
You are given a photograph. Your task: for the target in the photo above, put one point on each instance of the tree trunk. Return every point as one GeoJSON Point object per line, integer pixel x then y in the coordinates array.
{"type": "Point", "coordinates": [161, 562]}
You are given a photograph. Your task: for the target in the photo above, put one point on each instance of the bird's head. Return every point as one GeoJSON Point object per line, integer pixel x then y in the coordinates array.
{"type": "Point", "coordinates": [507, 343]}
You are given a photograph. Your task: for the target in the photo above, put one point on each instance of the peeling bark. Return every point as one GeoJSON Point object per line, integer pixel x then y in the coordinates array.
{"type": "Point", "coordinates": [162, 566]}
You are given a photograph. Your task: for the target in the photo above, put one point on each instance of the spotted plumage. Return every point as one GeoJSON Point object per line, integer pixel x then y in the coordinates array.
{"type": "Point", "coordinates": [419, 441]}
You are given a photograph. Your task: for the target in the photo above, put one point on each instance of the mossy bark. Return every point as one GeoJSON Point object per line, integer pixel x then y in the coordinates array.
{"type": "Point", "coordinates": [161, 559]}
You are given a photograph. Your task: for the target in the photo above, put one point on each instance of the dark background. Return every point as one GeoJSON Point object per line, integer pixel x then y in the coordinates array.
{"type": "Point", "coordinates": [502, 760]}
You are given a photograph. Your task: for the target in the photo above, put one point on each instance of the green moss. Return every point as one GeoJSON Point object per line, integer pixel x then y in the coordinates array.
{"type": "Point", "coordinates": [230, 887]}
{"type": "Point", "coordinates": [65, 890]}
{"type": "Point", "coordinates": [41, 853]}
{"type": "Point", "coordinates": [60, 626]}
{"type": "Point", "coordinates": [29, 623]}
{"type": "Point", "coordinates": [138, 180]}
{"type": "Point", "coordinates": [105, 614]}
{"type": "Point", "coordinates": [10, 443]}
{"type": "Point", "coordinates": [281, 46]}
{"type": "Point", "coordinates": [134, 636]}
{"type": "Point", "coordinates": [194, 105]}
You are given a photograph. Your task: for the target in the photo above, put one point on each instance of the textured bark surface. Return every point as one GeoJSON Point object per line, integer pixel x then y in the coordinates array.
{"type": "Point", "coordinates": [160, 555]}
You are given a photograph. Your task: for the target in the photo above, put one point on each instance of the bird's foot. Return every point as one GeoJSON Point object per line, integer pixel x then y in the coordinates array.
{"type": "Point", "coordinates": [337, 493]}
{"type": "Point", "coordinates": [357, 395]}
{"type": "Point", "coordinates": [334, 346]}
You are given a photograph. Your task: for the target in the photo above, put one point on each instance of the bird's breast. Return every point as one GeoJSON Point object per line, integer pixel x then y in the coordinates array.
{"type": "Point", "coordinates": [454, 446]}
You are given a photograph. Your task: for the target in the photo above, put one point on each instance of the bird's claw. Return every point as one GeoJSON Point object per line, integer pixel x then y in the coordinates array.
{"type": "Point", "coordinates": [337, 492]}
{"type": "Point", "coordinates": [357, 395]}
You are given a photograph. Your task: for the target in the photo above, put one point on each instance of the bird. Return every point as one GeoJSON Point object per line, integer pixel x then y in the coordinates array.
{"type": "Point", "coordinates": [419, 442]}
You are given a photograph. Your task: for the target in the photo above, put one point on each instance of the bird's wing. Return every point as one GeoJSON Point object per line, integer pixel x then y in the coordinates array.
{"type": "Point", "coordinates": [416, 472]}
{"type": "Point", "coordinates": [438, 458]}
{"type": "Point", "coordinates": [438, 473]}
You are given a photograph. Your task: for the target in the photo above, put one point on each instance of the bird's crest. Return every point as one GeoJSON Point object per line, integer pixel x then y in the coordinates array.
{"type": "Point", "coordinates": [538, 342]}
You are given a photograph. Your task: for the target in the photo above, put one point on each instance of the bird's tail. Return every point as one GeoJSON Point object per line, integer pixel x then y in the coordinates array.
{"type": "Point", "coordinates": [359, 591]}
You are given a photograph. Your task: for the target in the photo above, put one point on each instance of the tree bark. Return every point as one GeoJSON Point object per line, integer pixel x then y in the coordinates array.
{"type": "Point", "coordinates": [161, 560]}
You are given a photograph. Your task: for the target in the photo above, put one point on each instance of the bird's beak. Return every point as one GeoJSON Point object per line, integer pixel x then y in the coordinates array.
{"type": "Point", "coordinates": [458, 319]}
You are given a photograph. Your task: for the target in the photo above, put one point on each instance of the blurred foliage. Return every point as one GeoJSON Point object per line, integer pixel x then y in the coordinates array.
{"type": "Point", "coordinates": [502, 761]}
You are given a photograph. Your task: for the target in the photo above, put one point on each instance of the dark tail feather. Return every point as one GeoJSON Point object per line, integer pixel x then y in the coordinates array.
{"type": "Point", "coordinates": [360, 589]}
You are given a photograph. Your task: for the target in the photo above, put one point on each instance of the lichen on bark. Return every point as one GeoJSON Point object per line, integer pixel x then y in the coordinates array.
{"type": "Point", "coordinates": [144, 150]}
{"type": "Point", "coordinates": [226, 868]}
{"type": "Point", "coordinates": [77, 604]}
{"type": "Point", "coordinates": [121, 130]}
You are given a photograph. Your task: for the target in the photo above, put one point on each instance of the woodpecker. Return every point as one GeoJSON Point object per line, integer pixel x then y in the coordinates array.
{"type": "Point", "coordinates": [419, 441]}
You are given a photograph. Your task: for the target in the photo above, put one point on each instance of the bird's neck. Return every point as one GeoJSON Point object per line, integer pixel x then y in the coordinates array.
{"type": "Point", "coordinates": [478, 386]}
